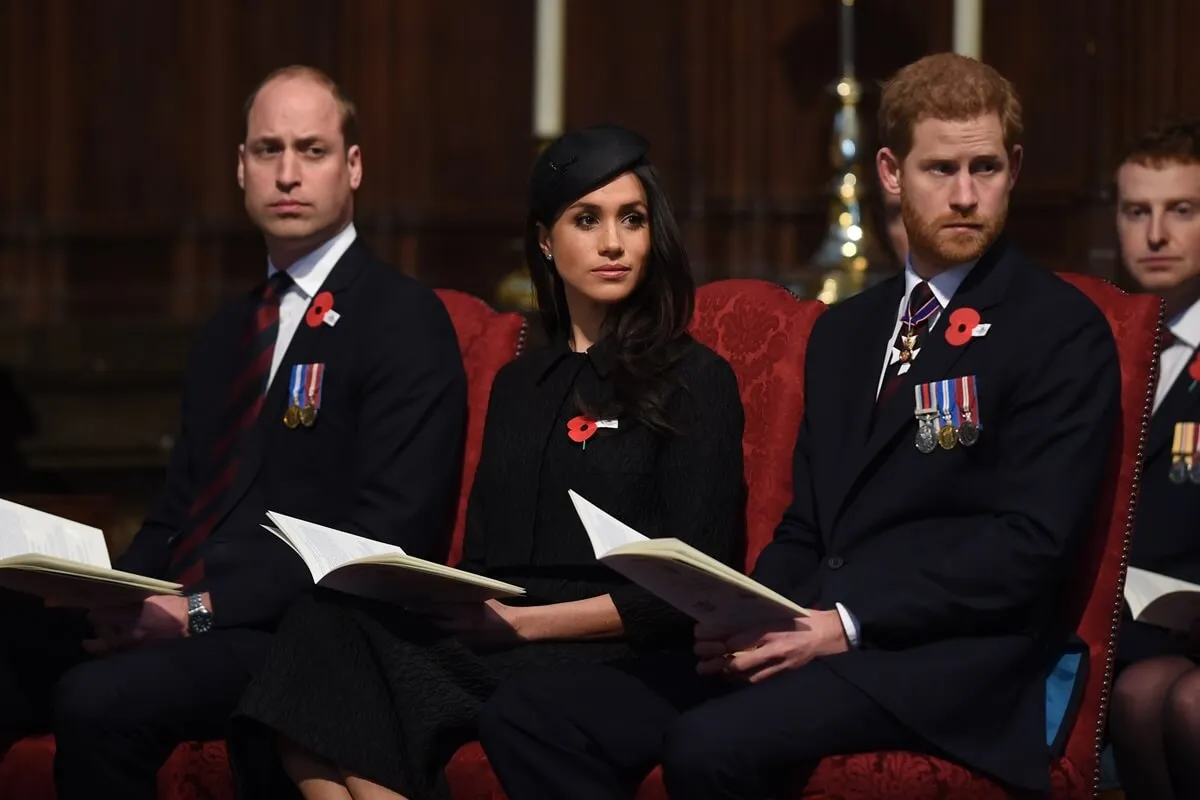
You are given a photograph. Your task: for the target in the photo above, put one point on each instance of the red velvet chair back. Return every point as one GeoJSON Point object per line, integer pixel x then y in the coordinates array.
{"type": "Point", "coordinates": [1135, 321]}
{"type": "Point", "coordinates": [762, 330]}
{"type": "Point", "coordinates": [488, 340]}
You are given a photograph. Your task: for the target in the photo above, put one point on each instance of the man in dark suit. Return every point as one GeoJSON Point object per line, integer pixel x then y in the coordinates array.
{"type": "Point", "coordinates": [334, 392]}
{"type": "Point", "coordinates": [958, 420]}
{"type": "Point", "coordinates": [1153, 723]}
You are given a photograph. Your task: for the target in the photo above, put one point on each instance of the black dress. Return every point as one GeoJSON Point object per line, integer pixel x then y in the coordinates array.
{"type": "Point", "coordinates": [389, 697]}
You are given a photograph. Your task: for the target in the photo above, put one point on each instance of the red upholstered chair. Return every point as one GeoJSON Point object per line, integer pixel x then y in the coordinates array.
{"type": "Point", "coordinates": [199, 770]}
{"type": "Point", "coordinates": [1101, 577]}
{"type": "Point", "coordinates": [488, 340]}
{"type": "Point", "coordinates": [762, 330]}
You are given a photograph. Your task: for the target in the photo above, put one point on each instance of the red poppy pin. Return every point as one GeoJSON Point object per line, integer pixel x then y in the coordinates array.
{"type": "Point", "coordinates": [321, 307]}
{"type": "Point", "coordinates": [1194, 368]}
{"type": "Point", "coordinates": [580, 429]}
{"type": "Point", "coordinates": [962, 326]}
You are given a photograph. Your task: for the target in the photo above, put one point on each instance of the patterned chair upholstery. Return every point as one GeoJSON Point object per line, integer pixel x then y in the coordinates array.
{"type": "Point", "coordinates": [199, 770]}
{"type": "Point", "coordinates": [762, 331]}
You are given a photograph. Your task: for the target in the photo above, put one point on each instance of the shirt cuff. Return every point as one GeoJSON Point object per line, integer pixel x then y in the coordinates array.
{"type": "Point", "coordinates": [849, 624]}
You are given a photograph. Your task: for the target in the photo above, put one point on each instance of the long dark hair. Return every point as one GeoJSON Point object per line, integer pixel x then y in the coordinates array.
{"type": "Point", "coordinates": [647, 331]}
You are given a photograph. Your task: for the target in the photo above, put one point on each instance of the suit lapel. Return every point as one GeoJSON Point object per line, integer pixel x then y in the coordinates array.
{"type": "Point", "coordinates": [1182, 404]}
{"type": "Point", "coordinates": [305, 347]}
{"type": "Point", "coordinates": [865, 345]}
{"type": "Point", "coordinates": [982, 289]}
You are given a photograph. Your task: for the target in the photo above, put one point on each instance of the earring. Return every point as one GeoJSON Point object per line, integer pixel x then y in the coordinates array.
{"type": "Point", "coordinates": [549, 256]}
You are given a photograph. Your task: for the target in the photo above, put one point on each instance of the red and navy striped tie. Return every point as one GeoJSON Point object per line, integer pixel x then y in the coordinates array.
{"type": "Point", "coordinates": [242, 405]}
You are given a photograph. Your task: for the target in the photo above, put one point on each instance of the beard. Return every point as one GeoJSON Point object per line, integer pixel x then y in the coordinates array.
{"type": "Point", "coordinates": [944, 248]}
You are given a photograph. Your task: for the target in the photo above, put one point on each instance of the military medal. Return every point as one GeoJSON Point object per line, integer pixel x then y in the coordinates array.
{"type": "Point", "coordinates": [968, 430]}
{"type": "Point", "coordinates": [308, 416]}
{"type": "Point", "coordinates": [1192, 434]}
{"type": "Point", "coordinates": [926, 415]}
{"type": "Point", "coordinates": [908, 339]}
{"type": "Point", "coordinates": [1179, 468]}
{"type": "Point", "coordinates": [948, 435]}
{"type": "Point", "coordinates": [304, 395]}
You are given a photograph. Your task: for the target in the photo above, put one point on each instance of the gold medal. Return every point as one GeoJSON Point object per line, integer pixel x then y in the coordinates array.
{"type": "Point", "coordinates": [947, 437]}
{"type": "Point", "coordinates": [291, 417]}
{"type": "Point", "coordinates": [308, 415]}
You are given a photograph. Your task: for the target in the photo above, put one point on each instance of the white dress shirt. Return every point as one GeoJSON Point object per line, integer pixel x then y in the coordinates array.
{"type": "Point", "coordinates": [943, 285]}
{"type": "Point", "coordinates": [1172, 360]}
{"type": "Point", "coordinates": [308, 274]}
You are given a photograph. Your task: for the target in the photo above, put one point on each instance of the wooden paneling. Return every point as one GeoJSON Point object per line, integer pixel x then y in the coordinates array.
{"type": "Point", "coordinates": [121, 223]}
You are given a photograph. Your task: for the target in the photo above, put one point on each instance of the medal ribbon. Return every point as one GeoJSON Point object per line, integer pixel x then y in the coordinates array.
{"type": "Point", "coordinates": [968, 399]}
{"type": "Point", "coordinates": [296, 388]}
{"type": "Point", "coordinates": [922, 400]}
{"type": "Point", "coordinates": [314, 382]}
{"type": "Point", "coordinates": [923, 313]}
{"type": "Point", "coordinates": [1189, 438]}
{"type": "Point", "coordinates": [949, 403]}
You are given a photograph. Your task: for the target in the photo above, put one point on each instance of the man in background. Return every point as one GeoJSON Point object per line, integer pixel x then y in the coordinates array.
{"type": "Point", "coordinates": [1155, 719]}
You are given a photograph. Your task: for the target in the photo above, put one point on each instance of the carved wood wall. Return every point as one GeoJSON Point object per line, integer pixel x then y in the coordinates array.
{"type": "Point", "coordinates": [121, 224]}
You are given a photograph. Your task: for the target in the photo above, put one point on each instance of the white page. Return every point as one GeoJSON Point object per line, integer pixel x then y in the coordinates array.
{"type": "Point", "coordinates": [1142, 587]}
{"type": "Point", "coordinates": [324, 549]}
{"type": "Point", "coordinates": [25, 530]}
{"type": "Point", "coordinates": [605, 531]}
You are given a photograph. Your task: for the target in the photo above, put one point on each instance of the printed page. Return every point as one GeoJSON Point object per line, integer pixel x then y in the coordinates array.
{"type": "Point", "coordinates": [605, 531]}
{"type": "Point", "coordinates": [25, 530]}
{"type": "Point", "coordinates": [702, 595]}
{"type": "Point", "coordinates": [1162, 600]}
{"type": "Point", "coordinates": [415, 580]}
{"type": "Point", "coordinates": [324, 549]}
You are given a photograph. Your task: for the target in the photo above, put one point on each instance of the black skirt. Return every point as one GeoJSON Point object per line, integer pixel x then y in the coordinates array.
{"type": "Point", "coordinates": [383, 694]}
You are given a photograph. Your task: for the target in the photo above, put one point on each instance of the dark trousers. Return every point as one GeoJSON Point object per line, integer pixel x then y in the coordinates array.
{"type": "Point", "coordinates": [115, 719]}
{"type": "Point", "coordinates": [594, 734]}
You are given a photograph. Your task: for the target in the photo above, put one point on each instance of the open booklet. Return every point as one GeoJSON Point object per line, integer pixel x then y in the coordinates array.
{"type": "Point", "coordinates": [1161, 600]}
{"type": "Point", "coordinates": [367, 568]}
{"type": "Point", "coordinates": [697, 584]}
{"type": "Point", "coordinates": [65, 563]}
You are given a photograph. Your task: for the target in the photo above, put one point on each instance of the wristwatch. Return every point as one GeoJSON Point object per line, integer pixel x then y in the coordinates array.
{"type": "Point", "coordinates": [199, 617]}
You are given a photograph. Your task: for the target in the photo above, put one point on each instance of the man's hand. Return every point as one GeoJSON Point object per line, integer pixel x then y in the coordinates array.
{"type": "Point", "coordinates": [483, 625]}
{"type": "Point", "coordinates": [754, 656]}
{"type": "Point", "coordinates": [124, 627]}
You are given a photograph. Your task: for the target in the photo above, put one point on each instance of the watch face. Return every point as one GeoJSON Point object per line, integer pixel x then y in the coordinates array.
{"type": "Point", "coordinates": [199, 617]}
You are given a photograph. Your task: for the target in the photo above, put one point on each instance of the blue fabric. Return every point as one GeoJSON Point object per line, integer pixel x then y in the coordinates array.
{"type": "Point", "coordinates": [1064, 688]}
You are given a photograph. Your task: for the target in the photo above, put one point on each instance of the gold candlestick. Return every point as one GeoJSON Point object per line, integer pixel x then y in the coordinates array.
{"type": "Point", "coordinates": [515, 290]}
{"type": "Point", "coordinates": [850, 249]}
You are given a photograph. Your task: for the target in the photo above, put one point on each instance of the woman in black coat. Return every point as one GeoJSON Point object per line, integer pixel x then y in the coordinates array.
{"type": "Point", "coordinates": [359, 699]}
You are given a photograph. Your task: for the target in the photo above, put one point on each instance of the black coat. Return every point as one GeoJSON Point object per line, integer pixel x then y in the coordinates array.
{"type": "Point", "coordinates": [1165, 538]}
{"type": "Point", "coordinates": [953, 562]}
{"type": "Point", "coordinates": [383, 459]}
{"type": "Point", "coordinates": [386, 695]}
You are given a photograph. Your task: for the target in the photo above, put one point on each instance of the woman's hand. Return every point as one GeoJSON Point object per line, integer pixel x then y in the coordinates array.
{"type": "Point", "coordinates": [490, 624]}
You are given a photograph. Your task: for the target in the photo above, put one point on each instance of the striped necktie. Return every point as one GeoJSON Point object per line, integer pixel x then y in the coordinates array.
{"type": "Point", "coordinates": [243, 403]}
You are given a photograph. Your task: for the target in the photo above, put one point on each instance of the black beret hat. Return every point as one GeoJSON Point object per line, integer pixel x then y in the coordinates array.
{"type": "Point", "coordinates": [578, 162]}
